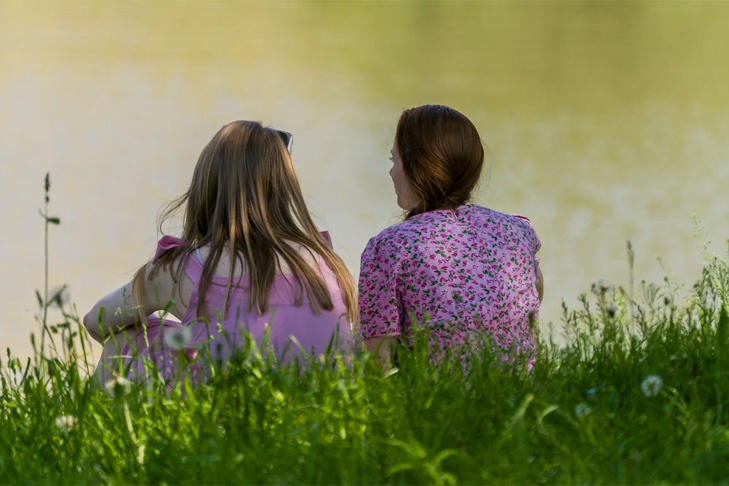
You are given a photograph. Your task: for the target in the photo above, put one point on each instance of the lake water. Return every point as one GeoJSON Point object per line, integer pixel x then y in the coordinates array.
{"type": "Point", "coordinates": [605, 122]}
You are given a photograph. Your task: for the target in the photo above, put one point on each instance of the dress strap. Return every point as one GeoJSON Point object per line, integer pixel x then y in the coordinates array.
{"type": "Point", "coordinates": [194, 267]}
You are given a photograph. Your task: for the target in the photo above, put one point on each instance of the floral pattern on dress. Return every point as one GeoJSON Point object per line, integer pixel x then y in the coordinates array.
{"type": "Point", "coordinates": [467, 274]}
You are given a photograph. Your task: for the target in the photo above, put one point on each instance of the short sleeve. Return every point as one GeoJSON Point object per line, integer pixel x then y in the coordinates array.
{"type": "Point", "coordinates": [378, 302]}
{"type": "Point", "coordinates": [165, 244]}
{"type": "Point", "coordinates": [534, 243]}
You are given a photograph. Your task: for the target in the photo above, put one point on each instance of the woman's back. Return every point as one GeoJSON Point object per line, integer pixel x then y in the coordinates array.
{"type": "Point", "coordinates": [289, 323]}
{"type": "Point", "coordinates": [460, 272]}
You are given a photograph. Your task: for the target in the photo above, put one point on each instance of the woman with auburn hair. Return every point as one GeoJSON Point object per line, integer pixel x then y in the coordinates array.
{"type": "Point", "coordinates": [249, 258]}
{"type": "Point", "coordinates": [467, 273]}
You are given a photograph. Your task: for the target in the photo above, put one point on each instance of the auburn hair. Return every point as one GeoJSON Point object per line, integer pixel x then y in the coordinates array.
{"type": "Point", "coordinates": [442, 156]}
{"type": "Point", "coordinates": [245, 199]}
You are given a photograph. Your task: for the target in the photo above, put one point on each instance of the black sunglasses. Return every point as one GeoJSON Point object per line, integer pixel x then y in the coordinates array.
{"type": "Point", "coordinates": [287, 137]}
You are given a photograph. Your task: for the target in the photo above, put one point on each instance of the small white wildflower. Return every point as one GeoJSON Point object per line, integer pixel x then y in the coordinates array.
{"type": "Point", "coordinates": [652, 385]}
{"type": "Point", "coordinates": [117, 386]}
{"type": "Point", "coordinates": [66, 422]}
{"type": "Point", "coordinates": [177, 337]}
{"type": "Point", "coordinates": [582, 410]}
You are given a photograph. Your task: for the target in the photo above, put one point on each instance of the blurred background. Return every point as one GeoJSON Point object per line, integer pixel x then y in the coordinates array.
{"type": "Point", "coordinates": [605, 122]}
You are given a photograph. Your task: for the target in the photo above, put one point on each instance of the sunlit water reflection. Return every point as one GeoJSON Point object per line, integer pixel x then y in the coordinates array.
{"type": "Point", "coordinates": [605, 122]}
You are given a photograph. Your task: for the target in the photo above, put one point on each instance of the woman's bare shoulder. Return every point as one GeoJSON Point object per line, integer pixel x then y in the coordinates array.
{"type": "Point", "coordinates": [282, 267]}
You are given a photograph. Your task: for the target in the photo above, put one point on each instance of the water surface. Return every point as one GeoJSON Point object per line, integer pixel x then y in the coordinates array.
{"type": "Point", "coordinates": [605, 122]}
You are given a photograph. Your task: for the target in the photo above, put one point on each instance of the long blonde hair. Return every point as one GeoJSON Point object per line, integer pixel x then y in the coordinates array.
{"type": "Point", "coordinates": [245, 197]}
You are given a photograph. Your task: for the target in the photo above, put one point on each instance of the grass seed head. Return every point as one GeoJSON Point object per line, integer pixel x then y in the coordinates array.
{"type": "Point", "coordinates": [600, 287]}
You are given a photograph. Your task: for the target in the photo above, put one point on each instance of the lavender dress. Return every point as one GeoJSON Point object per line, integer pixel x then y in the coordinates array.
{"type": "Point", "coordinates": [291, 327]}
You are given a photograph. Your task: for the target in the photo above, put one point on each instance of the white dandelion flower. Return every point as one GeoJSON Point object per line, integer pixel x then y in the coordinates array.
{"type": "Point", "coordinates": [66, 422]}
{"type": "Point", "coordinates": [118, 386]}
{"type": "Point", "coordinates": [652, 385]}
{"type": "Point", "coordinates": [177, 337]}
{"type": "Point", "coordinates": [582, 410]}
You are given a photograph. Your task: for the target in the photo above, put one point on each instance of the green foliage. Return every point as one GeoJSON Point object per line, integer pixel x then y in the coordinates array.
{"type": "Point", "coordinates": [638, 393]}
{"type": "Point", "coordinates": [623, 401]}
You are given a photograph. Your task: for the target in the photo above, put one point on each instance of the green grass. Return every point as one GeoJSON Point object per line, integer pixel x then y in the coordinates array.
{"type": "Point", "coordinates": [585, 413]}
{"type": "Point", "coordinates": [579, 416]}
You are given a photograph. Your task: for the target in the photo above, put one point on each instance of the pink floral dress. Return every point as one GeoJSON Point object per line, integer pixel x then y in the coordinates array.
{"type": "Point", "coordinates": [467, 274]}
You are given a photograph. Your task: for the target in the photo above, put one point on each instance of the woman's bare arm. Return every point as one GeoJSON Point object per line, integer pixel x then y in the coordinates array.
{"type": "Point", "coordinates": [540, 284]}
{"type": "Point", "coordinates": [120, 309]}
{"type": "Point", "coordinates": [383, 347]}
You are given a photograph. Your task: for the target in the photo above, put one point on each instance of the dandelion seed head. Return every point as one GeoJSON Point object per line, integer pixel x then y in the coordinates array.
{"type": "Point", "coordinates": [118, 386]}
{"type": "Point", "coordinates": [651, 385]}
{"type": "Point", "coordinates": [177, 337]}
{"type": "Point", "coordinates": [582, 410]}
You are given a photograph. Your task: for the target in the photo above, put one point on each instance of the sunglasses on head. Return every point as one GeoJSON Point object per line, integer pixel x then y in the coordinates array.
{"type": "Point", "coordinates": [286, 137]}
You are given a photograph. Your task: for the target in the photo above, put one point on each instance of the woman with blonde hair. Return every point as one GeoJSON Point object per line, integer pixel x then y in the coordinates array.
{"type": "Point", "coordinates": [249, 259]}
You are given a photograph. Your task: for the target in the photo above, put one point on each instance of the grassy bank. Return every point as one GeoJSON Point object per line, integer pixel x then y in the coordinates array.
{"type": "Point", "coordinates": [638, 394]}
